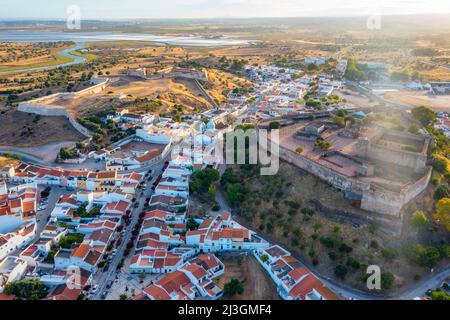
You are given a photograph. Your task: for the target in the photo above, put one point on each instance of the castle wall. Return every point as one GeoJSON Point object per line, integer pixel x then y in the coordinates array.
{"type": "Point", "coordinates": [44, 106]}
{"type": "Point", "coordinates": [391, 203]}
{"type": "Point", "coordinates": [415, 160]}
{"type": "Point", "coordinates": [42, 109]}
{"type": "Point", "coordinates": [330, 176]}
{"type": "Point", "coordinates": [373, 198]}
{"type": "Point", "coordinates": [398, 157]}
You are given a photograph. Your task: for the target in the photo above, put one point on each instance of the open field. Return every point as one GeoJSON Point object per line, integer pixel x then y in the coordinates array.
{"type": "Point", "coordinates": [418, 99]}
{"type": "Point", "coordinates": [21, 129]}
{"type": "Point", "coordinates": [257, 283]}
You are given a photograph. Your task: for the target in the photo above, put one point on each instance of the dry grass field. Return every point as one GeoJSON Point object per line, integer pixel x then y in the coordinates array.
{"type": "Point", "coordinates": [19, 129]}
{"type": "Point", "coordinates": [257, 283]}
{"type": "Point", "coordinates": [418, 99]}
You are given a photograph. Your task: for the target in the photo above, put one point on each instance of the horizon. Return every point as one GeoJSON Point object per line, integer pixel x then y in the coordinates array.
{"type": "Point", "coordinates": [103, 10]}
{"type": "Point", "coordinates": [43, 19]}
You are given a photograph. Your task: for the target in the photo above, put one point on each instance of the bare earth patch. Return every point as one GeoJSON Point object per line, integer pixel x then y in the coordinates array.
{"type": "Point", "coordinates": [257, 283]}
{"type": "Point", "coordinates": [21, 129]}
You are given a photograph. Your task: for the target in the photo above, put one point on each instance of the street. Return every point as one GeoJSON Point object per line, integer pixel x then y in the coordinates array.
{"type": "Point", "coordinates": [103, 278]}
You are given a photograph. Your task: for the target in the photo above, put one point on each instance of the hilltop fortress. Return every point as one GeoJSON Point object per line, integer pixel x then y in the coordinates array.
{"type": "Point", "coordinates": [55, 104]}
{"type": "Point", "coordinates": [382, 169]}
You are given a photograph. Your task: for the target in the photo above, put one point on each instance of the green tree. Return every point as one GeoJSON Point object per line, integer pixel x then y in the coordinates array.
{"type": "Point", "coordinates": [192, 224]}
{"type": "Point", "coordinates": [424, 256]}
{"type": "Point", "coordinates": [202, 180]}
{"type": "Point", "coordinates": [441, 191]}
{"type": "Point", "coordinates": [27, 289]}
{"type": "Point", "coordinates": [212, 192]}
{"type": "Point", "coordinates": [340, 271]}
{"type": "Point", "coordinates": [387, 280]}
{"type": "Point", "coordinates": [419, 220]}
{"type": "Point", "coordinates": [274, 125]}
{"type": "Point", "coordinates": [72, 238]}
{"type": "Point", "coordinates": [233, 287]}
{"type": "Point", "coordinates": [235, 194]}
{"type": "Point", "coordinates": [389, 254]}
{"type": "Point", "coordinates": [442, 213]}
{"type": "Point", "coordinates": [424, 115]}
{"type": "Point", "coordinates": [65, 154]}
{"type": "Point", "coordinates": [414, 128]}
{"type": "Point", "coordinates": [322, 144]}
{"type": "Point", "coordinates": [439, 295]}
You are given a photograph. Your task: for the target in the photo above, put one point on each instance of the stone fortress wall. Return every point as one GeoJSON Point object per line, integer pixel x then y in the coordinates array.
{"type": "Point", "coordinates": [373, 198]}
{"type": "Point", "coordinates": [374, 149]}
{"type": "Point", "coordinates": [381, 199]}
{"type": "Point", "coordinates": [169, 73]}
{"type": "Point", "coordinates": [53, 105]}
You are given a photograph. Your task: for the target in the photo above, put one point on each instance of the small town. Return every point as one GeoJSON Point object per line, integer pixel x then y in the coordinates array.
{"type": "Point", "coordinates": [240, 160]}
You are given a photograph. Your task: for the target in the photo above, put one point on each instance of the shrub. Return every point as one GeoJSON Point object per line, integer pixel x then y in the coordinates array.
{"type": "Point", "coordinates": [374, 244]}
{"type": "Point", "coordinates": [327, 242]}
{"type": "Point", "coordinates": [439, 295]}
{"type": "Point", "coordinates": [387, 280]}
{"type": "Point", "coordinates": [442, 213]}
{"type": "Point", "coordinates": [424, 256]}
{"type": "Point", "coordinates": [441, 192]}
{"type": "Point", "coordinates": [26, 289]}
{"type": "Point", "coordinates": [340, 271]}
{"type": "Point", "coordinates": [233, 287]}
{"type": "Point", "coordinates": [332, 255]}
{"type": "Point", "coordinates": [345, 248]}
{"type": "Point", "coordinates": [419, 220]}
{"type": "Point", "coordinates": [355, 264]}
{"type": "Point", "coordinates": [389, 254]}
{"type": "Point", "coordinates": [308, 210]}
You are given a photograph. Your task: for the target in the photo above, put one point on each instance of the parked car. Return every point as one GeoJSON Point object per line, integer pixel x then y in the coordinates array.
{"type": "Point", "coordinates": [94, 289]}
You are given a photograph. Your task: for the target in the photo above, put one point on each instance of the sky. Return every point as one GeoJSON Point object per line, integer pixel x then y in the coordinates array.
{"type": "Point", "coordinates": [163, 9]}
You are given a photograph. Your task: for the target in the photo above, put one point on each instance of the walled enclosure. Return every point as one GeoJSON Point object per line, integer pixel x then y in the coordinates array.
{"type": "Point", "coordinates": [52, 105]}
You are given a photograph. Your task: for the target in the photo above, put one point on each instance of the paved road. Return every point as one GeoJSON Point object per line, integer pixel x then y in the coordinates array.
{"type": "Point", "coordinates": [431, 283]}
{"type": "Point", "coordinates": [44, 215]}
{"type": "Point", "coordinates": [103, 278]}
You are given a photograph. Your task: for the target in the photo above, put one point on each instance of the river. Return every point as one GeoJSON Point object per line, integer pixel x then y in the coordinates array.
{"type": "Point", "coordinates": [64, 53]}
{"type": "Point", "coordinates": [81, 37]}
